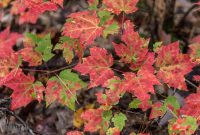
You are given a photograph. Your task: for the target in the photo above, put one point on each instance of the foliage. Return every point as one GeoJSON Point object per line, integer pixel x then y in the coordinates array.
{"type": "Point", "coordinates": [165, 66]}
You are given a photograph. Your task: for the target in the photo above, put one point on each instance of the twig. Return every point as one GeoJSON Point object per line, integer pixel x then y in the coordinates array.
{"type": "Point", "coordinates": [192, 84]}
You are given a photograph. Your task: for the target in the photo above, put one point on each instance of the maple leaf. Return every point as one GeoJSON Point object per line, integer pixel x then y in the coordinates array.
{"type": "Point", "coordinates": [119, 120]}
{"type": "Point", "coordinates": [30, 55]}
{"type": "Point", "coordinates": [24, 90]}
{"type": "Point", "coordinates": [41, 47]}
{"type": "Point", "coordinates": [142, 83]}
{"type": "Point", "coordinates": [30, 10]}
{"type": "Point", "coordinates": [113, 94]}
{"type": "Point", "coordinates": [93, 118]}
{"type": "Point", "coordinates": [159, 109]}
{"type": "Point", "coordinates": [83, 25]}
{"type": "Point", "coordinates": [135, 49]}
{"type": "Point", "coordinates": [7, 41]}
{"type": "Point", "coordinates": [183, 126]}
{"type": "Point", "coordinates": [63, 88]}
{"type": "Point", "coordinates": [156, 110]}
{"type": "Point", "coordinates": [8, 64]}
{"type": "Point", "coordinates": [68, 46]}
{"type": "Point", "coordinates": [117, 6]}
{"type": "Point", "coordinates": [97, 66]}
{"type": "Point", "coordinates": [9, 60]}
{"type": "Point", "coordinates": [173, 65]}
{"type": "Point", "coordinates": [191, 102]}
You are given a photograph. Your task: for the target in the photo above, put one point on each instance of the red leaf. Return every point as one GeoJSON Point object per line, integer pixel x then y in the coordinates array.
{"type": "Point", "coordinates": [31, 56]}
{"type": "Point", "coordinates": [34, 9]}
{"type": "Point", "coordinates": [192, 106]}
{"type": "Point", "coordinates": [63, 88]}
{"type": "Point", "coordinates": [156, 110]}
{"type": "Point", "coordinates": [93, 117]}
{"type": "Point", "coordinates": [7, 65]}
{"type": "Point", "coordinates": [7, 41]}
{"type": "Point", "coordinates": [182, 126]}
{"type": "Point", "coordinates": [113, 94]}
{"type": "Point", "coordinates": [83, 25]}
{"type": "Point", "coordinates": [136, 49]}
{"type": "Point", "coordinates": [173, 65]}
{"type": "Point", "coordinates": [117, 6]}
{"type": "Point", "coordinates": [97, 66]}
{"type": "Point", "coordinates": [142, 83]}
{"type": "Point", "coordinates": [23, 90]}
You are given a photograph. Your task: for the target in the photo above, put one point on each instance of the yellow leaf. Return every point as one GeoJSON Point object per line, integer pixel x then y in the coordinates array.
{"type": "Point", "coordinates": [77, 121]}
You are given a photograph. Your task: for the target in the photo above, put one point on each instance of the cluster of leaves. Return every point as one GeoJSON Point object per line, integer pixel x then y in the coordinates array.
{"type": "Point", "coordinates": [164, 65]}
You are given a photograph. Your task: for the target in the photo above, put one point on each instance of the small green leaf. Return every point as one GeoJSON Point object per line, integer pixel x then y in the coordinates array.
{"type": "Point", "coordinates": [104, 16]}
{"type": "Point", "coordinates": [44, 47]}
{"type": "Point", "coordinates": [171, 100]}
{"type": "Point", "coordinates": [107, 115]}
{"type": "Point", "coordinates": [157, 45]}
{"type": "Point", "coordinates": [33, 37]}
{"type": "Point", "coordinates": [111, 29]}
{"type": "Point", "coordinates": [93, 6]}
{"type": "Point", "coordinates": [135, 103]}
{"type": "Point", "coordinates": [119, 120]}
{"type": "Point", "coordinates": [67, 75]}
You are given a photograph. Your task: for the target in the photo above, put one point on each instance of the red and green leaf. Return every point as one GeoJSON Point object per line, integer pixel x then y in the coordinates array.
{"type": "Point", "coordinates": [183, 126]}
{"type": "Point", "coordinates": [112, 94]}
{"type": "Point", "coordinates": [63, 88]}
{"type": "Point", "coordinates": [97, 66]}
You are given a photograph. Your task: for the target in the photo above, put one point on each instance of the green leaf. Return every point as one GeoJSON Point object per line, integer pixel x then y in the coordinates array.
{"type": "Point", "coordinates": [119, 120]}
{"type": "Point", "coordinates": [157, 45]}
{"type": "Point", "coordinates": [93, 6]}
{"type": "Point", "coordinates": [107, 115]}
{"type": "Point", "coordinates": [106, 119]}
{"type": "Point", "coordinates": [44, 47]}
{"type": "Point", "coordinates": [171, 100]}
{"type": "Point", "coordinates": [104, 16]}
{"type": "Point", "coordinates": [111, 29]}
{"type": "Point", "coordinates": [135, 103]}
{"type": "Point", "coordinates": [33, 37]}
{"type": "Point", "coordinates": [63, 87]}
{"type": "Point", "coordinates": [66, 44]}
{"type": "Point", "coordinates": [71, 77]}
{"type": "Point", "coordinates": [192, 122]}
